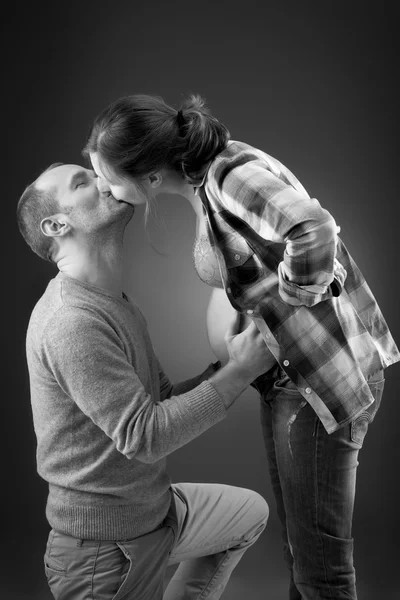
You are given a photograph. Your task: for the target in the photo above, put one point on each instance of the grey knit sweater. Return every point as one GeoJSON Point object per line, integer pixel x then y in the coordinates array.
{"type": "Point", "coordinates": [105, 414]}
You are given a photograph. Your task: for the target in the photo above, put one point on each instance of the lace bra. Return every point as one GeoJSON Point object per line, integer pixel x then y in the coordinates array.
{"type": "Point", "coordinates": [206, 263]}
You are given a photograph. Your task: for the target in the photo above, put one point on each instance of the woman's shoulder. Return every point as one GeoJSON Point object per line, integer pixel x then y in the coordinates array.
{"type": "Point", "coordinates": [246, 159]}
{"type": "Point", "coordinates": [240, 156]}
{"type": "Point", "coordinates": [240, 153]}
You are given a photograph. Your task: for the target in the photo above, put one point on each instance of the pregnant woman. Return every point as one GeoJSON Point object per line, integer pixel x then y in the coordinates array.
{"type": "Point", "coordinates": [272, 254]}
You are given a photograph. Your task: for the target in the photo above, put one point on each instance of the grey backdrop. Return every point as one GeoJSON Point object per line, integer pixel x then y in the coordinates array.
{"type": "Point", "coordinates": [311, 83]}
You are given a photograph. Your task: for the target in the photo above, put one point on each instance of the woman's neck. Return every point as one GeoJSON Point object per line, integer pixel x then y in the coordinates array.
{"type": "Point", "coordinates": [195, 200]}
{"type": "Point", "coordinates": [174, 184]}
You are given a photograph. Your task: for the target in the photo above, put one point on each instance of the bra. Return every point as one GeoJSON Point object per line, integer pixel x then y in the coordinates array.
{"type": "Point", "coordinates": [205, 262]}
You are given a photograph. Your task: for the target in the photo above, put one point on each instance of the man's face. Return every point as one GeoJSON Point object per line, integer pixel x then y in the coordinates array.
{"type": "Point", "coordinates": [78, 196]}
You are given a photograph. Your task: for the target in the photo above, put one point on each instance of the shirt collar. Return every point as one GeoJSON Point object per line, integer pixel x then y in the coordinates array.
{"type": "Point", "coordinates": [198, 183]}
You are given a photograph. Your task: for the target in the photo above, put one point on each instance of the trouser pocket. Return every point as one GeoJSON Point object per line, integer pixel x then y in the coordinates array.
{"type": "Point", "coordinates": [54, 566]}
{"type": "Point", "coordinates": [359, 427]}
{"type": "Point", "coordinates": [111, 571]}
{"type": "Point", "coordinates": [85, 569]}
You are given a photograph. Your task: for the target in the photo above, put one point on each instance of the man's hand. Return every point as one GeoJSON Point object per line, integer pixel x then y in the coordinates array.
{"type": "Point", "coordinates": [247, 350]}
{"type": "Point", "coordinates": [249, 357]}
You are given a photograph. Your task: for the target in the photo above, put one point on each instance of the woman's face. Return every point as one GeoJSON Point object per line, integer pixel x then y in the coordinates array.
{"type": "Point", "coordinates": [121, 188]}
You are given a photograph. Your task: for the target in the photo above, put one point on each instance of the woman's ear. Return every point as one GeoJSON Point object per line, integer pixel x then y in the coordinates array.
{"type": "Point", "coordinates": [155, 179]}
{"type": "Point", "coordinates": [55, 226]}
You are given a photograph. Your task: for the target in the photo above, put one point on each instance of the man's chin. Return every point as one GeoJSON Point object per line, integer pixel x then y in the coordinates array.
{"type": "Point", "coordinates": [122, 215]}
{"type": "Point", "coordinates": [126, 213]}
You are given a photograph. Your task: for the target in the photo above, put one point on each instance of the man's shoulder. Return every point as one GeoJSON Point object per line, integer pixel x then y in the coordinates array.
{"type": "Point", "coordinates": [48, 303]}
{"type": "Point", "coordinates": [57, 311]}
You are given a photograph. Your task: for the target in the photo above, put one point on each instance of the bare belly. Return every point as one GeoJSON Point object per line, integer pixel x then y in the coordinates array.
{"type": "Point", "coordinates": [220, 314]}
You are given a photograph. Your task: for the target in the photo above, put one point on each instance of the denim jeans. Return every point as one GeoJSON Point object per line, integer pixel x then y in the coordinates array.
{"type": "Point", "coordinates": [313, 475]}
{"type": "Point", "coordinates": [207, 530]}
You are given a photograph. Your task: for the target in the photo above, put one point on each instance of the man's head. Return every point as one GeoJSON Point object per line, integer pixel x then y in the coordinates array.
{"type": "Point", "coordinates": [64, 204]}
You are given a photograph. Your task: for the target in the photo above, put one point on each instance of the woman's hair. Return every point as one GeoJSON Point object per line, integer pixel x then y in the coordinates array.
{"type": "Point", "coordinates": [141, 134]}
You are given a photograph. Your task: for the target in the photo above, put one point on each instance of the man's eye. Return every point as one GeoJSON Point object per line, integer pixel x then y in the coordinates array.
{"type": "Point", "coordinates": [80, 184]}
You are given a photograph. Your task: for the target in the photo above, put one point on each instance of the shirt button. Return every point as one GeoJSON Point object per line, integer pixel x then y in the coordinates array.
{"type": "Point", "coordinates": [249, 312]}
{"type": "Point", "coordinates": [286, 363]}
{"type": "Point", "coordinates": [237, 257]}
{"type": "Point", "coordinates": [228, 290]}
{"type": "Point", "coordinates": [308, 390]}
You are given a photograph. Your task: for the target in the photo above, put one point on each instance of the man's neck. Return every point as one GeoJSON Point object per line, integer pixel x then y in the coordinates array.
{"type": "Point", "coordinates": [101, 267]}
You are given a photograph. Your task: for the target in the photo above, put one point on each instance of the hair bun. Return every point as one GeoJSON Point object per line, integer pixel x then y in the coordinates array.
{"type": "Point", "coordinates": [203, 135]}
{"type": "Point", "coordinates": [181, 121]}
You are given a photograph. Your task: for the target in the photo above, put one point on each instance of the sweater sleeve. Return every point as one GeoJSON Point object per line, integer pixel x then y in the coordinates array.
{"type": "Point", "coordinates": [168, 389]}
{"type": "Point", "coordinates": [84, 354]}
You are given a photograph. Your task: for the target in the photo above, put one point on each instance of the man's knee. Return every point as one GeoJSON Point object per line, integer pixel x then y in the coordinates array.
{"type": "Point", "coordinates": [258, 508]}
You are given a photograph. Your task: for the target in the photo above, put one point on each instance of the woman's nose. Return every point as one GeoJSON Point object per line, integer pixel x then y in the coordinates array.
{"type": "Point", "coordinates": [102, 185]}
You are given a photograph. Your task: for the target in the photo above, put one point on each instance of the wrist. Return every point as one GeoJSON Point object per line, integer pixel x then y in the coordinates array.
{"type": "Point", "coordinates": [230, 381]}
{"type": "Point", "coordinates": [242, 373]}
{"type": "Point", "coordinates": [236, 372]}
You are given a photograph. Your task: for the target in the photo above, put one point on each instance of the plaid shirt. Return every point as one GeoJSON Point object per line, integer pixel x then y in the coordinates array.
{"type": "Point", "coordinates": [283, 264]}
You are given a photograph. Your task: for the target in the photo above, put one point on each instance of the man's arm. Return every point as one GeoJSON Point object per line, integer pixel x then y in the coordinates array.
{"type": "Point", "coordinates": [168, 389]}
{"type": "Point", "coordinates": [87, 359]}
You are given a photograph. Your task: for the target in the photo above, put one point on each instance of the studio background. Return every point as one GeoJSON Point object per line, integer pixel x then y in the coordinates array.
{"type": "Point", "coordinates": [313, 84]}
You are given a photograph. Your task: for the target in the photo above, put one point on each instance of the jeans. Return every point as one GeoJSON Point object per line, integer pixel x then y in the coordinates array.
{"type": "Point", "coordinates": [207, 530]}
{"type": "Point", "coordinates": [313, 475]}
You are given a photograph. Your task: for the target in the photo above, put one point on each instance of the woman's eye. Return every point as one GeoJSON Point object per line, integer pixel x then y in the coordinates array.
{"type": "Point", "coordinates": [80, 184]}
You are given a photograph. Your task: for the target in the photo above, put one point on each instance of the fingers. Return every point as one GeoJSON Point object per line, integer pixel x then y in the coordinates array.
{"type": "Point", "coordinates": [251, 330]}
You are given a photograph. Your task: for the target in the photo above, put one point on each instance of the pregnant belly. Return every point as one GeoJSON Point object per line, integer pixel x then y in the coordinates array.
{"type": "Point", "coordinates": [220, 314]}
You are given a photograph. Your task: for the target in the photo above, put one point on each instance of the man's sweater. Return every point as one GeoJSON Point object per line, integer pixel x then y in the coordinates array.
{"type": "Point", "coordinates": [105, 414]}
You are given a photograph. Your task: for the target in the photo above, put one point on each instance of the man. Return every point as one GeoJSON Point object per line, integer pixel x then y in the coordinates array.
{"type": "Point", "coordinates": [106, 416]}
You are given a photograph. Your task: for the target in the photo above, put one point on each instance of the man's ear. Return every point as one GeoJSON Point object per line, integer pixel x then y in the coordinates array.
{"type": "Point", "coordinates": [155, 179]}
{"type": "Point", "coordinates": [55, 226]}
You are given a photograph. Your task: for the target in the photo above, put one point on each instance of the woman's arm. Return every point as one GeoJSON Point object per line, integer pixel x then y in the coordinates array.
{"type": "Point", "coordinates": [309, 272]}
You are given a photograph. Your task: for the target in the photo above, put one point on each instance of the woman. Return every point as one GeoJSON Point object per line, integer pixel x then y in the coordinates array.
{"type": "Point", "coordinates": [273, 254]}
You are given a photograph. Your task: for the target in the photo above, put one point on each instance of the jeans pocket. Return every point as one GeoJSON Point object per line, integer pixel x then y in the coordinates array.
{"type": "Point", "coordinates": [359, 427]}
{"type": "Point", "coordinates": [284, 384]}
